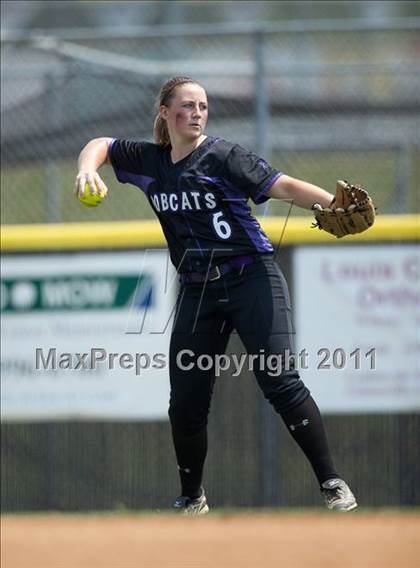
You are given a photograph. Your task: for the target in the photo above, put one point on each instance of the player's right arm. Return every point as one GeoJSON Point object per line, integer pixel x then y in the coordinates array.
{"type": "Point", "coordinates": [91, 158]}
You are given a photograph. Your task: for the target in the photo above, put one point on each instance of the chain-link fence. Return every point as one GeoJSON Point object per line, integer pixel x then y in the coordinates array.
{"type": "Point", "coordinates": [319, 102]}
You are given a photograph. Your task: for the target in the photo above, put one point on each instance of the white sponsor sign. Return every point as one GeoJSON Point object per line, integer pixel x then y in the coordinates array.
{"type": "Point", "coordinates": [358, 319]}
{"type": "Point", "coordinates": [86, 335]}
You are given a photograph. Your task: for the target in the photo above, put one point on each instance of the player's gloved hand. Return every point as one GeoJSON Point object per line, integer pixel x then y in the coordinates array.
{"type": "Point", "coordinates": [351, 211]}
{"type": "Point", "coordinates": [92, 180]}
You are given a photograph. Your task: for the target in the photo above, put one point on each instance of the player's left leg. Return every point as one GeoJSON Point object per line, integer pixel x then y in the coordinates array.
{"type": "Point", "coordinates": [261, 313]}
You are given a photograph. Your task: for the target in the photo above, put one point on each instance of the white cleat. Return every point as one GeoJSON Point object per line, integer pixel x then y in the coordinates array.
{"type": "Point", "coordinates": [338, 496]}
{"type": "Point", "coordinates": [191, 507]}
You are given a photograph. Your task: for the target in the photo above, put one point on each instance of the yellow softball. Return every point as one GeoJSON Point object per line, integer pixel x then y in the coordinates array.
{"type": "Point", "coordinates": [91, 199]}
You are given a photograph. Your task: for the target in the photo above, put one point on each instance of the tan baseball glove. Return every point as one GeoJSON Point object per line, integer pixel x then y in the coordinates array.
{"type": "Point", "coordinates": [351, 211]}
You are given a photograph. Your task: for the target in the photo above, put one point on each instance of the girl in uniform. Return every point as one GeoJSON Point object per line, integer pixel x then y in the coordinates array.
{"type": "Point", "coordinates": [199, 187]}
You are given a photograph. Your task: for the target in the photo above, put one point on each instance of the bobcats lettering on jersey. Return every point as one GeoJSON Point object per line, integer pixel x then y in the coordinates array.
{"type": "Point", "coordinates": [185, 201]}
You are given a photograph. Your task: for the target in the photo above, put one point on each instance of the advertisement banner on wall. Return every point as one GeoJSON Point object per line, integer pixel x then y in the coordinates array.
{"type": "Point", "coordinates": [357, 315]}
{"type": "Point", "coordinates": [86, 335]}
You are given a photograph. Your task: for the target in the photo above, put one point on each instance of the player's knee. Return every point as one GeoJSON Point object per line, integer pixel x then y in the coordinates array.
{"type": "Point", "coordinates": [286, 392]}
{"type": "Point", "coordinates": [284, 404]}
{"type": "Point", "coordinates": [187, 421]}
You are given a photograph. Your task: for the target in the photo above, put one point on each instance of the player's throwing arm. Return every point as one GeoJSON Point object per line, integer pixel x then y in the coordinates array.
{"type": "Point", "coordinates": [89, 187]}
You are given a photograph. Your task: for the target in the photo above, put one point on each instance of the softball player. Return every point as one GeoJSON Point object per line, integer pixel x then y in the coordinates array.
{"type": "Point", "coordinates": [199, 187]}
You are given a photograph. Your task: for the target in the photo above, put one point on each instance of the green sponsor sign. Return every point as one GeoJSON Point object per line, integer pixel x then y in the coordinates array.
{"type": "Point", "coordinates": [79, 292]}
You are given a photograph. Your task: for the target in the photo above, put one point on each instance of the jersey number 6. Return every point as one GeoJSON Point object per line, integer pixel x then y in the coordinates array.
{"type": "Point", "coordinates": [221, 227]}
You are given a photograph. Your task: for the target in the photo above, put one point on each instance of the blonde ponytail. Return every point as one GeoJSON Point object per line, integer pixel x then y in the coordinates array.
{"type": "Point", "coordinates": [160, 132]}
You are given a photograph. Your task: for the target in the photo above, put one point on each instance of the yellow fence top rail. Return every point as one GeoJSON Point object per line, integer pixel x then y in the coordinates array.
{"type": "Point", "coordinates": [148, 234]}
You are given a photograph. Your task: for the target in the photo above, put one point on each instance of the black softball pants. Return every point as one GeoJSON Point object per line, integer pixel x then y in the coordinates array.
{"type": "Point", "coordinates": [255, 302]}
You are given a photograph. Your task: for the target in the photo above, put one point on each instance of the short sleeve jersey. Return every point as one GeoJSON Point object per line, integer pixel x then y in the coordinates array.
{"type": "Point", "coordinates": [201, 201]}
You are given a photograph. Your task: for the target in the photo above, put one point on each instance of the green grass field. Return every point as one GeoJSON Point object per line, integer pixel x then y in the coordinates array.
{"type": "Point", "coordinates": [24, 188]}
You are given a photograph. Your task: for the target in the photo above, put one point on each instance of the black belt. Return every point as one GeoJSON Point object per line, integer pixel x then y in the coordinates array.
{"type": "Point", "coordinates": [216, 272]}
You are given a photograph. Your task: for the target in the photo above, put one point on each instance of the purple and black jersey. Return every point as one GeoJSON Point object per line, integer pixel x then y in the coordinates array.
{"type": "Point", "coordinates": [201, 201]}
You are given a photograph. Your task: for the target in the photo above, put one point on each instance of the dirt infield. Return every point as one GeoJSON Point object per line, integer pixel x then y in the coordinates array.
{"type": "Point", "coordinates": [359, 540]}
